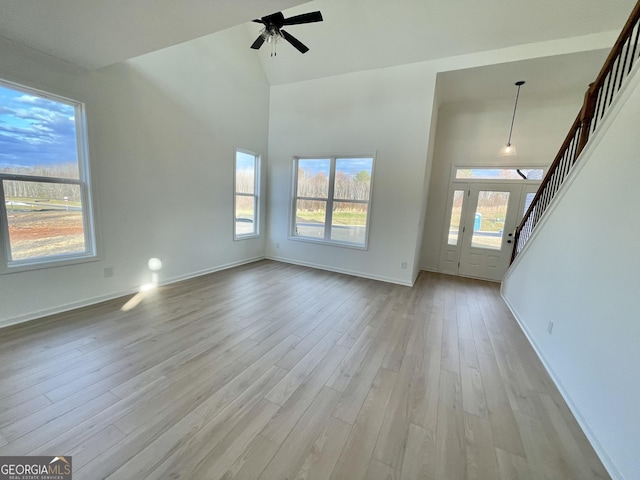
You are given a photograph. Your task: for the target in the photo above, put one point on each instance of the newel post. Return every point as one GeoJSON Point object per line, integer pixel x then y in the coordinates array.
{"type": "Point", "coordinates": [516, 238]}
{"type": "Point", "coordinates": [586, 115]}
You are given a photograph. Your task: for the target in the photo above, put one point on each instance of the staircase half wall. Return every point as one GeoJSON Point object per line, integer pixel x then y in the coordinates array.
{"type": "Point", "coordinates": [580, 271]}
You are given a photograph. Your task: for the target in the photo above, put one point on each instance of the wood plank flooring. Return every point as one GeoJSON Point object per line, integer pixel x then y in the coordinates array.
{"type": "Point", "coordinates": [274, 371]}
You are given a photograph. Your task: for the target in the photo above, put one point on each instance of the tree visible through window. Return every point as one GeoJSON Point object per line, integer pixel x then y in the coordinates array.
{"type": "Point", "coordinates": [247, 189]}
{"type": "Point", "coordinates": [332, 199]}
{"type": "Point", "coordinates": [45, 214]}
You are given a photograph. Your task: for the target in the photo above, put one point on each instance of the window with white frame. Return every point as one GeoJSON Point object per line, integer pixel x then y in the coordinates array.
{"type": "Point", "coordinates": [247, 194]}
{"type": "Point", "coordinates": [332, 199]}
{"type": "Point", "coordinates": [45, 215]}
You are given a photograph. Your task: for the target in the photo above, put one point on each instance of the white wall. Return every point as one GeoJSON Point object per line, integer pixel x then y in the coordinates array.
{"type": "Point", "coordinates": [386, 111]}
{"type": "Point", "coordinates": [471, 134]}
{"type": "Point", "coordinates": [162, 132]}
{"type": "Point", "coordinates": [425, 185]}
{"type": "Point", "coordinates": [580, 270]}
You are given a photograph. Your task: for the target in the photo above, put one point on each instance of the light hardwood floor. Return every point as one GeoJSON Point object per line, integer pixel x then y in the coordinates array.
{"type": "Point", "coordinates": [274, 371]}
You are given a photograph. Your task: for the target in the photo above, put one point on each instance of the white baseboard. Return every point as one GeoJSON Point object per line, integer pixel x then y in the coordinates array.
{"type": "Point", "coordinates": [600, 451]}
{"type": "Point", "coordinates": [429, 269]}
{"type": "Point", "coordinates": [217, 268]}
{"type": "Point", "coordinates": [27, 317]}
{"type": "Point", "coordinates": [354, 273]}
{"type": "Point", "coordinates": [117, 294]}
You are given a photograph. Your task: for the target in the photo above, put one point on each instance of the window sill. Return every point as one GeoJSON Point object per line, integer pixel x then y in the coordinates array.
{"type": "Point", "coordinates": [246, 237]}
{"type": "Point", "coordinates": [26, 265]}
{"type": "Point", "coordinates": [330, 243]}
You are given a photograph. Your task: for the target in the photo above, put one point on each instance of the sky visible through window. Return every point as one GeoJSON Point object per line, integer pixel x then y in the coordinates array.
{"type": "Point", "coordinates": [499, 173]}
{"type": "Point", "coordinates": [35, 131]}
{"type": "Point", "coordinates": [245, 161]}
{"type": "Point", "coordinates": [349, 166]}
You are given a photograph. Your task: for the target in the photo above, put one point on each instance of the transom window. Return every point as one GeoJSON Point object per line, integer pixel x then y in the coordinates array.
{"type": "Point", "coordinates": [45, 214]}
{"type": "Point", "coordinates": [499, 173]}
{"type": "Point", "coordinates": [247, 194]}
{"type": "Point", "coordinates": [331, 200]}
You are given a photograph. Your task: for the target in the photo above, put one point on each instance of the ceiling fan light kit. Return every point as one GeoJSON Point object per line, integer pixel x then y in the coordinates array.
{"type": "Point", "coordinates": [272, 30]}
{"type": "Point", "coordinates": [509, 150]}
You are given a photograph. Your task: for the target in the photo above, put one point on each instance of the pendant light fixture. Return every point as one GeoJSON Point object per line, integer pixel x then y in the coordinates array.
{"type": "Point", "coordinates": [510, 150]}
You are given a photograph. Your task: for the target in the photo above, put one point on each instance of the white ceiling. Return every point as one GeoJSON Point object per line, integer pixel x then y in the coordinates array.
{"type": "Point", "coordinates": [355, 35]}
{"type": "Point", "coordinates": [366, 34]}
{"type": "Point", "coordinates": [97, 33]}
{"type": "Point", "coordinates": [557, 76]}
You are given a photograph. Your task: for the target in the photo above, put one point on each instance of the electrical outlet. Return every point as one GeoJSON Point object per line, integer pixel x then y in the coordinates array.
{"type": "Point", "coordinates": [108, 272]}
{"type": "Point", "coordinates": [550, 327]}
{"type": "Point", "coordinates": [278, 245]}
{"type": "Point", "coordinates": [403, 265]}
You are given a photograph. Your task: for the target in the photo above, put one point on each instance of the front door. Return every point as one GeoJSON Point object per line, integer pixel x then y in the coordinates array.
{"type": "Point", "coordinates": [482, 218]}
{"type": "Point", "coordinates": [490, 220]}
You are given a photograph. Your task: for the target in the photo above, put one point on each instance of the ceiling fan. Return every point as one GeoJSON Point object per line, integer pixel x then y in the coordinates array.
{"type": "Point", "coordinates": [272, 30]}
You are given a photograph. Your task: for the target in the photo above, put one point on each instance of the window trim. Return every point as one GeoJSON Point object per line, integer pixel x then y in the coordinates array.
{"type": "Point", "coordinates": [256, 195]}
{"type": "Point", "coordinates": [7, 265]}
{"type": "Point", "coordinates": [330, 200]}
{"type": "Point", "coordinates": [491, 166]}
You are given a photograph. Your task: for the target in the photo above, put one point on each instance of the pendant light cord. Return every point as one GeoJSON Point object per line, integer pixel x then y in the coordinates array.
{"type": "Point", "coordinates": [519, 84]}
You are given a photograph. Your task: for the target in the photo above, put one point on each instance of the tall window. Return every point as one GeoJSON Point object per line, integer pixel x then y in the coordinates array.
{"type": "Point", "coordinates": [247, 194]}
{"type": "Point", "coordinates": [44, 180]}
{"type": "Point", "coordinates": [331, 200]}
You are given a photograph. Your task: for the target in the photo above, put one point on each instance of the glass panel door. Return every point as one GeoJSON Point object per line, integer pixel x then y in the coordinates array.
{"type": "Point", "coordinates": [456, 215]}
{"type": "Point", "coordinates": [492, 214]}
{"type": "Point", "coordinates": [489, 218]}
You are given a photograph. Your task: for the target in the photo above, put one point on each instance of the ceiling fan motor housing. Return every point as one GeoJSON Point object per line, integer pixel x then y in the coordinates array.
{"type": "Point", "coordinates": [273, 29]}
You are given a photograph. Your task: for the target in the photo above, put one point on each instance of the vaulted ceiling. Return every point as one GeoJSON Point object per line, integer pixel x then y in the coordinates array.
{"type": "Point", "coordinates": [355, 34]}
{"type": "Point", "coordinates": [97, 33]}
{"type": "Point", "coordinates": [366, 34]}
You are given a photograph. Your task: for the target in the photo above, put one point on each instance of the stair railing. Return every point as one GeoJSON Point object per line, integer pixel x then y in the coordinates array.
{"type": "Point", "coordinates": [597, 99]}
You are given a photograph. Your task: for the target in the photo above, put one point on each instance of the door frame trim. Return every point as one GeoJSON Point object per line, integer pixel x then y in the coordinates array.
{"type": "Point", "coordinates": [453, 182]}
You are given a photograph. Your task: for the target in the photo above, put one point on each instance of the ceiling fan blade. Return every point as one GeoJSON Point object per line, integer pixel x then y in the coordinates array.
{"type": "Point", "coordinates": [275, 19]}
{"type": "Point", "coordinates": [258, 20]}
{"type": "Point", "coordinates": [258, 43]}
{"type": "Point", "coordinates": [302, 48]}
{"type": "Point", "coordinates": [310, 17]}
